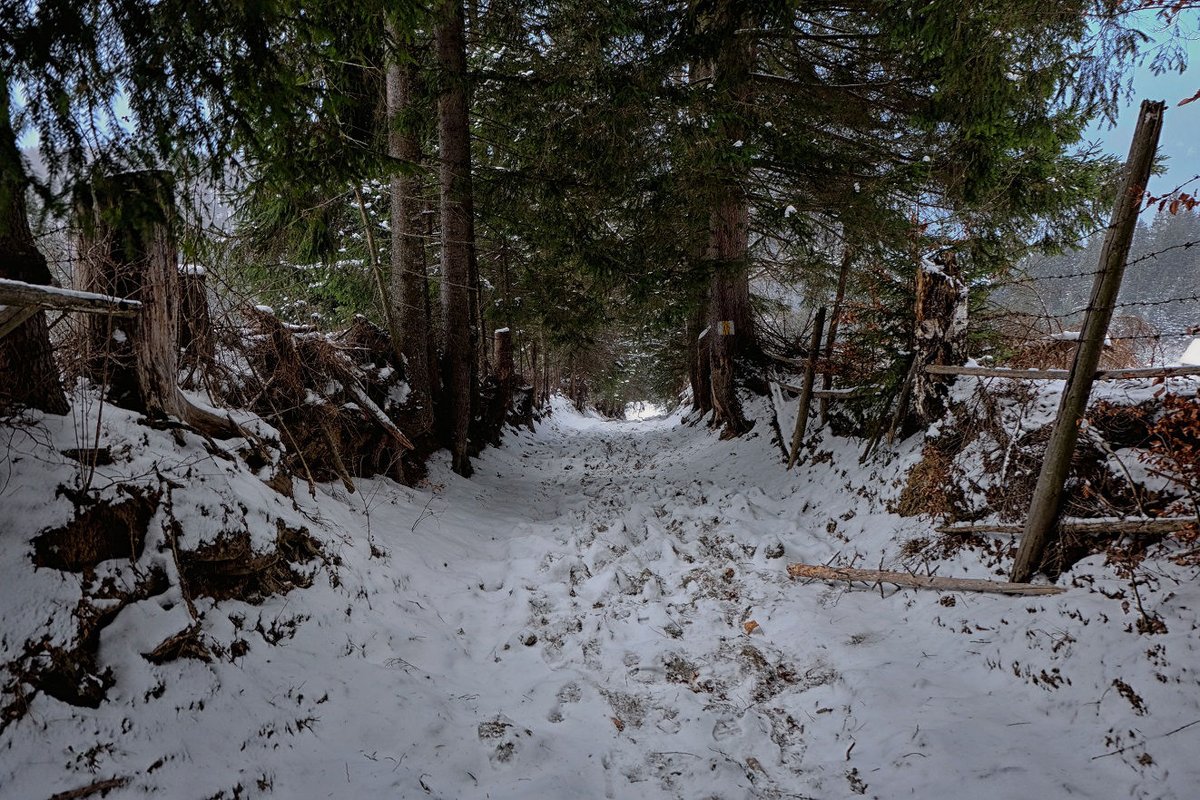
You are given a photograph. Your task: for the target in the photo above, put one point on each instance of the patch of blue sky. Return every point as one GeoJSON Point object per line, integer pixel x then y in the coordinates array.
{"type": "Point", "coordinates": [1179, 143]}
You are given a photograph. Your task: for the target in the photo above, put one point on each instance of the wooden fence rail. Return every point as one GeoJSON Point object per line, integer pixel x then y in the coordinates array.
{"type": "Point", "coordinates": [19, 301]}
{"type": "Point", "coordinates": [1061, 374]}
{"type": "Point", "coordinates": [17, 294]}
{"type": "Point", "coordinates": [1094, 527]}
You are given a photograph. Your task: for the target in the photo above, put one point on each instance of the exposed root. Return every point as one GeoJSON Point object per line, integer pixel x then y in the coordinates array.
{"type": "Point", "coordinates": [230, 569]}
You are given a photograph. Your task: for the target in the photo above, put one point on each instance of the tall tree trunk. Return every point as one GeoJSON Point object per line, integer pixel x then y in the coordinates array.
{"type": "Point", "coordinates": [459, 356]}
{"type": "Point", "coordinates": [699, 376]}
{"type": "Point", "coordinates": [409, 278]}
{"type": "Point", "coordinates": [196, 342]}
{"type": "Point", "coordinates": [731, 324]}
{"type": "Point", "coordinates": [731, 332]}
{"type": "Point", "coordinates": [28, 373]}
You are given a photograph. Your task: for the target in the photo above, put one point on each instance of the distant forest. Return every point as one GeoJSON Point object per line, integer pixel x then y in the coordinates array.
{"type": "Point", "coordinates": [1160, 296]}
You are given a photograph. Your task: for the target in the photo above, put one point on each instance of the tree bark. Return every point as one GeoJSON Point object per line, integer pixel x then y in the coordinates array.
{"type": "Point", "coordinates": [731, 333]}
{"type": "Point", "coordinates": [505, 369]}
{"type": "Point", "coordinates": [195, 324]}
{"type": "Point", "coordinates": [941, 338]}
{"type": "Point", "coordinates": [459, 357]}
{"type": "Point", "coordinates": [810, 375]}
{"type": "Point", "coordinates": [409, 277]}
{"type": "Point", "coordinates": [731, 325]}
{"type": "Point", "coordinates": [28, 373]}
{"type": "Point", "coordinates": [127, 249]}
{"type": "Point", "coordinates": [699, 375]}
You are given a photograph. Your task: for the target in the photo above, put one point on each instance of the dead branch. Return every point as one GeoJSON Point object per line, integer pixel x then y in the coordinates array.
{"type": "Point", "coordinates": [873, 576]}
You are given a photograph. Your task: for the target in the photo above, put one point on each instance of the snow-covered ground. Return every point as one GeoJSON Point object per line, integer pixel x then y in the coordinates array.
{"type": "Point", "coordinates": [574, 622]}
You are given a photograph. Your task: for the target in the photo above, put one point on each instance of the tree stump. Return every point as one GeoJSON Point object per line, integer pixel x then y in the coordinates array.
{"type": "Point", "coordinates": [941, 337]}
{"type": "Point", "coordinates": [127, 249]}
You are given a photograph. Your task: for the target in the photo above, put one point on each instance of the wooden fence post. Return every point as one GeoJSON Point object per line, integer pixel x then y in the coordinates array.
{"type": "Point", "coordinates": [810, 375]}
{"type": "Point", "coordinates": [1043, 509]}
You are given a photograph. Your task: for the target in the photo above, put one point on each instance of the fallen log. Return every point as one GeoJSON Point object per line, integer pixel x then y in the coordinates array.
{"type": "Point", "coordinates": [96, 787]}
{"type": "Point", "coordinates": [1092, 527]}
{"type": "Point", "coordinates": [838, 574]}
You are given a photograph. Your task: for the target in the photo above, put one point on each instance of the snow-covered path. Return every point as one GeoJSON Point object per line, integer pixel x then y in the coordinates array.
{"type": "Point", "coordinates": [571, 622]}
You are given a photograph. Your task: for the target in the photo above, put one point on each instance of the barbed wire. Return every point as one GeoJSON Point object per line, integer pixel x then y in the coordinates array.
{"type": "Point", "coordinates": [1165, 302]}
{"type": "Point", "coordinates": [1027, 279]}
{"type": "Point", "coordinates": [1154, 336]}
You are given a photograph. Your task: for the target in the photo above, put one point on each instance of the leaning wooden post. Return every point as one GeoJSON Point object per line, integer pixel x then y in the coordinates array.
{"type": "Point", "coordinates": [1043, 509]}
{"type": "Point", "coordinates": [806, 389]}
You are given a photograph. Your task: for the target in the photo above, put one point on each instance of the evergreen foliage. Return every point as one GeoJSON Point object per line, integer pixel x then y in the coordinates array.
{"type": "Point", "coordinates": [603, 140]}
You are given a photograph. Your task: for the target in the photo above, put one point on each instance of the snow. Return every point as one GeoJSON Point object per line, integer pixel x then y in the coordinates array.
{"type": "Point", "coordinates": [58, 291]}
{"type": "Point", "coordinates": [642, 410]}
{"type": "Point", "coordinates": [1073, 336]}
{"type": "Point", "coordinates": [789, 211]}
{"type": "Point", "coordinates": [571, 623]}
{"type": "Point", "coordinates": [1191, 356]}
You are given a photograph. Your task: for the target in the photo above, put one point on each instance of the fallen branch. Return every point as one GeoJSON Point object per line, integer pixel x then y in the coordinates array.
{"type": "Point", "coordinates": [367, 403]}
{"type": "Point", "coordinates": [91, 789]}
{"type": "Point", "coordinates": [848, 393]}
{"type": "Point", "coordinates": [1147, 739]}
{"type": "Point", "coordinates": [1092, 527]}
{"type": "Point", "coordinates": [874, 576]}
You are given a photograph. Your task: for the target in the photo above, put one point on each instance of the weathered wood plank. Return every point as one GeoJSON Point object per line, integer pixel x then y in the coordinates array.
{"type": "Point", "coordinates": [11, 317]}
{"type": "Point", "coordinates": [1061, 374]}
{"type": "Point", "coordinates": [19, 293]}
{"type": "Point", "coordinates": [1081, 526]}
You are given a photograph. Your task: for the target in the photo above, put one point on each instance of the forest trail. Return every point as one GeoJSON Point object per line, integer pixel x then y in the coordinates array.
{"type": "Point", "coordinates": [571, 623]}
